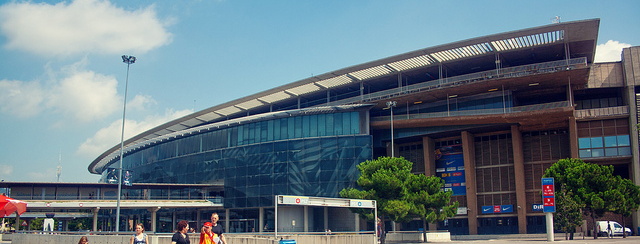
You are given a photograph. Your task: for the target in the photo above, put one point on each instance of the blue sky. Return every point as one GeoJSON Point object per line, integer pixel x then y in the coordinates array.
{"type": "Point", "coordinates": [62, 78]}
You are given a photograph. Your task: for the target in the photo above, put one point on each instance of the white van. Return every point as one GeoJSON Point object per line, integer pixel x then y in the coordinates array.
{"type": "Point", "coordinates": [617, 228]}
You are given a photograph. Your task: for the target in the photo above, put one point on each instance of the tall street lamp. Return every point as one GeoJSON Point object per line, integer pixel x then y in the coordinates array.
{"type": "Point", "coordinates": [128, 60]}
{"type": "Point", "coordinates": [391, 104]}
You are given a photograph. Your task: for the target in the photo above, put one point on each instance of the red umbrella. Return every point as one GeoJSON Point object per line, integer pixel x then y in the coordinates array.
{"type": "Point", "coordinates": [9, 206]}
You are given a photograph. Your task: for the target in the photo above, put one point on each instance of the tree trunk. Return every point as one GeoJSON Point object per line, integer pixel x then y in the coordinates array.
{"type": "Point", "coordinates": [595, 227]}
{"type": "Point", "coordinates": [424, 230]}
{"type": "Point", "coordinates": [624, 233]}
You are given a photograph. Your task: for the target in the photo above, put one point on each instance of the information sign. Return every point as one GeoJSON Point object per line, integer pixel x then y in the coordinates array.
{"type": "Point", "coordinates": [295, 200]}
{"type": "Point", "coordinates": [548, 195]}
{"type": "Point", "coordinates": [361, 203]}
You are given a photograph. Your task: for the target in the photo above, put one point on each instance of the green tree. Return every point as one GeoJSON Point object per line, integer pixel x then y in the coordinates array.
{"type": "Point", "coordinates": [630, 194]}
{"type": "Point", "coordinates": [36, 224]}
{"type": "Point", "coordinates": [428, 201]}
{"type": "Point", "coordinates": [592, 185]}
{"type": "Point", "coordinates": [568, 211]}
{"type": "Point", "coordinates": [400, 194]}
{"type": "Point", "coordinates": [80, 224]}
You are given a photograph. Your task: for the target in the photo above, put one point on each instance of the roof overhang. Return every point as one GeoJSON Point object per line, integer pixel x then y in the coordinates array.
{"type": "Point", "coordinates": [580, 37]}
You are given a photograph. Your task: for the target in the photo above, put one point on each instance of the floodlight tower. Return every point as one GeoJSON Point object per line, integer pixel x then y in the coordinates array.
{"type": "Point", "coordinates": [128, 60]}
{"type": "Point", "coordinates": [391, 104]}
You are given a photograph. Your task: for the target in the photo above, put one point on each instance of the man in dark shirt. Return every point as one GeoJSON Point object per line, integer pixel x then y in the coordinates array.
{"type": "Point", "coordinates": [217, 228]}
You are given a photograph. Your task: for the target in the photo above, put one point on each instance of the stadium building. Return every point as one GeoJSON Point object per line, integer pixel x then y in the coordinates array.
{"type": "Point", "coordinates": [487, 114]}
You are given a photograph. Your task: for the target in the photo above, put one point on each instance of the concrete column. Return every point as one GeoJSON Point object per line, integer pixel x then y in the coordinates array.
{"type": "Point", "coordinates": [469, 152]}
{"type": "Point", "coordinates": [227, 213]}
{"type": "Point", "coordinates": [573, 137]}
{"type": "Point", "coordinates": [17, 224]}
{"type": "Point", "coordinates": [305, 221]}
{"type": "Point", "coordinates": [95, 218]}
{"type": "Point", "coordinates": [260, 220]}
{"type": "Point", "coordinates": [357, 223]}
{"type": "Point", "coordinates": [428, 146]}
{"type": "Point", "coordinates": [326, 218]}
{"type": "Point", "coordinates": [631, 69]}
{"type": "Point", "coordinates": [173, 221]}
{"type": "Point", "coordinates": [199, 218]}
{"type": "Point", "coordinates": [518, 169]}
{"type": "Point", "coordinates": [154, 218]}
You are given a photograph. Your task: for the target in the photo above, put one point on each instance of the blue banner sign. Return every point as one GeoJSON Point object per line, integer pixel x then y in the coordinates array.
{"type": "Point", "coordinates": [450, 167]}
{"type": "Point", "coordinates": [497, 209]}
{"type": "Point", "coordinates": [536, 207]}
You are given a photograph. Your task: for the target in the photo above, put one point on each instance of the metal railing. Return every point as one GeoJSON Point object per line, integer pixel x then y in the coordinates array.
{"type": "Point", "coordinates": [214, 199]}
{"type": "Point", "coordinates": [518, 109]}
{"type": "Point", "coordinates": [601, 112]}
{"type": "Point", "coordinates": [512, 72]}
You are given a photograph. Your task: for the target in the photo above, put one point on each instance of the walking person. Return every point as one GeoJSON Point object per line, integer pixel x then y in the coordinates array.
{"type": "Point", "coordinates": [181, 236]}
{"type": "Point", "coordinates": [217, 229]}
{"type": "Point", "coordinates": [83, 240]}
{"type": "Point", "coordinates": [206, 235]}
{"type": "Point", "coordinates": [139, 237]}
{"type": "Point", "coordinates": [609, 230]}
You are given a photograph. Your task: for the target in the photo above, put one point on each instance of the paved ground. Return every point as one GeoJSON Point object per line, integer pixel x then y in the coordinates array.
{"type": "Point", "coordinates": [537, 239]}
{"type": "Point", "coordinates": [524, 238]}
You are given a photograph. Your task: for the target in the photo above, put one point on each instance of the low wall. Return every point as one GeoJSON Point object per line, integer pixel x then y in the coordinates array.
{"type": "Point", "coordinates": [435, 236]}
{"type": "Point", "coordinates": [59, 239]}
{"type": "Point", "coordinates": [165, 238]}
{"type": "Point", "coordinates": [331, 239]}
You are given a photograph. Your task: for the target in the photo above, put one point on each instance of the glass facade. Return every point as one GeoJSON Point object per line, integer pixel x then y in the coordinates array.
{"type": "Point", "coordinates": [312, 155]}
{"type": "Point", "coordinates": [607, 146]}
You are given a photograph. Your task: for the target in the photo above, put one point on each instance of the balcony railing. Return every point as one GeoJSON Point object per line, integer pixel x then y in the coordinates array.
{"type": "Point", "coordinates": [511, 72]}
{"type": "Point", "coordinates": [601, 112]}
{"type": "Point", "coordinates": [518, 109]}
{"type": "Point", "coordinates": [113, 196]}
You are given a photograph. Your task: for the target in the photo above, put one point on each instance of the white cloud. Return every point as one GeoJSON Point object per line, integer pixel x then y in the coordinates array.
{"type": "Point", "coordinates": [85, 95]}
{"type": "Point", "coordinates": [611, 51]}
{"type": "Point", "coordinates": [6, 171]}
{"type": "Point", "coordinates": [109, 136]}
{"type": "Point", "coordinates": [80, 94]}
{"type": "Point", "coordinates": [79, 27]}
{"type": "Point", "coordinates": [140, 102]}
{"type": "Point", "coordinates": [19, 98]}
{"type": "Point", "coordinates": [41, 174]}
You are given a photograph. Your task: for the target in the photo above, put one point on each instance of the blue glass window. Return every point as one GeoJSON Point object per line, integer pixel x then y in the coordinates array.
{"type": "Point", "coordinates": [623, 140]}
{"type": "Point", "coordinates": [624, 151]}
{"type": "Point", "coordinates": [276, 130]}
{"type": "Point", "coordinates": [596, 141]}
{"type": "Point", "coordinates": [313, 126]}
{"type": "Point", "coordinates": [330, 125]}
{"type": "Point", "coordinates": [611, 151]}
{"type": "Point", "coordinates": [337, 124]}
{"type": "Point", "coordinates": [322, 125]}
{"type": "Point", "coordinates": [607, 146]}
{"type": "Point", "coordinates": [584, 143]}
{"type": "Point", "coordinates": [610, 141]}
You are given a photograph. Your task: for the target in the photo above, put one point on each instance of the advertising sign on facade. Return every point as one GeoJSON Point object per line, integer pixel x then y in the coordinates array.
{"type": "Point", "coordinates": [497, 209]}
{"type": "Point", "coordinates": [450, 167]}
{"type": "Point", "coordinates": [536, 207]}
